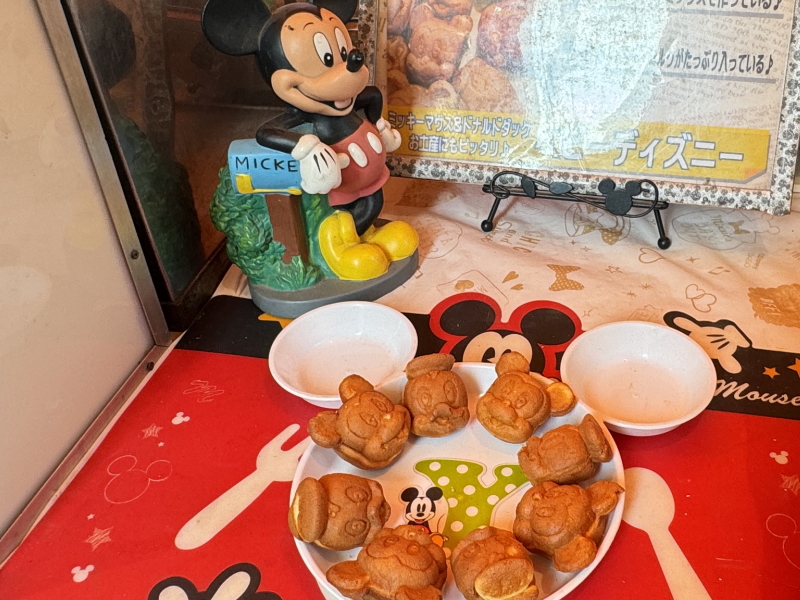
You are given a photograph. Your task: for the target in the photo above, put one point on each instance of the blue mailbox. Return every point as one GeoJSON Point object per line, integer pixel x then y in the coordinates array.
{"type": "Point", "coordinates": [256, 169]}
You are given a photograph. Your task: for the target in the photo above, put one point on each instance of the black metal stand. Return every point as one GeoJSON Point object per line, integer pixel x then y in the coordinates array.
{"type": "Point", "coordinates": [616, 201]}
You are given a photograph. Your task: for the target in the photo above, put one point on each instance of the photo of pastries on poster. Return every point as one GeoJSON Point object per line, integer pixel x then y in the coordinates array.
{"type": "Point", "coordinates": [679, 90]}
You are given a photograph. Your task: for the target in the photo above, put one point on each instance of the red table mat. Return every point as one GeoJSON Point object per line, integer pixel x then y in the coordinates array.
{"type": "Point", "coordinates": [196, 428]}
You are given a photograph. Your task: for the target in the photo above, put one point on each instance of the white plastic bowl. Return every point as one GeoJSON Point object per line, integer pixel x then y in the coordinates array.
{"type": "Point", "coordinates": [641, 378]}
{"type": "Point", "coordinates": [312, 355]}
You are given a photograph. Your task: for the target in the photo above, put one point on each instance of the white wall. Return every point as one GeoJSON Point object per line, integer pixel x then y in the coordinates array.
{"type": "Point", "coordinates": [71, 327]}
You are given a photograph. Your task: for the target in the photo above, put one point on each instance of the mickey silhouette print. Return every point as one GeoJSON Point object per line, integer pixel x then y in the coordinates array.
{"type": "Point", "coordinates": [237, 582]}
{"type": "Point", "coordinates": [128, 483]}
{"type": "Point", "coordinates": [619, 201]}
{"type": "Point", "coordinates": [80, 574]}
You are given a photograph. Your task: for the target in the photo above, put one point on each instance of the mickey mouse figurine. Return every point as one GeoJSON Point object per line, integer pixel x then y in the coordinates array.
{"type": "Point", "coordinates": [305, 54]}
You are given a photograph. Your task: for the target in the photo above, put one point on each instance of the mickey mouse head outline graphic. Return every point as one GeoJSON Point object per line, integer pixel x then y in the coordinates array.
{"type": "Point", "coordinates": [129, 483]}
{"type": "Point", "coordinates": [472, 329]}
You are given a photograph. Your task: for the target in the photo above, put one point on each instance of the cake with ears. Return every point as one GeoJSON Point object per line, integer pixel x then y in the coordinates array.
{"type": "Point", "coordinates": [398, 564]}
{"type": "Point", "coordinates": [368, 431]}
{"type": "Point", "coordinates": [338, 511]}
{"type": "Point", "coordinates": [491, 564]}
{"type": "Point", "coordinates": [519, 401]}
{"type": "Point", "coordinates": [566, 454]}
{"type": "Point", "coordinates": [435, 396]}
{"type": "Point", "coordinates": [565, 522]}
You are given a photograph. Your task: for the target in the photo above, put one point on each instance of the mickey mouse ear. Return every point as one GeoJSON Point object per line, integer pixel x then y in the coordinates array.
{"type": "Point", "coordinates": [634, 188]}
{"type": "Point", "coordinates": [344, 9]}
{"type": "Point", "coordinates": [234, 26]}
{"type": "Point", "coordinates": [308, 516]}
{"type": "Point", "coordinates": [606, 186]}
{"type": "Point", "coordinates": [173, 592]}
{"type": "Point", "coordinates": [781, 525]}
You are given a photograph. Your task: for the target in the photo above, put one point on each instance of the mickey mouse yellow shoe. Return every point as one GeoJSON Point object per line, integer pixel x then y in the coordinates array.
{"type": "Point", "coordinates": [346, 255]}
{"type": "Point", "coordinates": [397, 239]}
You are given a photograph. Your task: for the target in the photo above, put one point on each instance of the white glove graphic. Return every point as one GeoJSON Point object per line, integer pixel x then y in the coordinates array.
{"type": "Point", "coordinates": [390, 137]}
{"type": "Point", "coordinates": [320, 167]}
{"type": "Point", "coordinates": [719, 342]}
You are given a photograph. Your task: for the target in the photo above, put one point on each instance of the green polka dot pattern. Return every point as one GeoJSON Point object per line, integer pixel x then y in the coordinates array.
{"type": "Point", "coordinates": [470, 502]}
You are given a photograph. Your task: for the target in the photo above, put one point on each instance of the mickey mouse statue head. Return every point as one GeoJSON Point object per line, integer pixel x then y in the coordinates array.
{"type": "Point", "coordinates": [304, 52]}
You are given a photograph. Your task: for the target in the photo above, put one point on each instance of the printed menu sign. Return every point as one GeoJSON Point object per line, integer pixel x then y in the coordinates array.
{"type": "Point", "coordinates": [697, 92]}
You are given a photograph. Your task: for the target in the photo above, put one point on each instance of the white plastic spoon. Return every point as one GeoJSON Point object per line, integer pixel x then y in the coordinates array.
{"type": "Point", "coordinates": [272, 464]}
{"type": "Point", "coordinates": [649, 506]}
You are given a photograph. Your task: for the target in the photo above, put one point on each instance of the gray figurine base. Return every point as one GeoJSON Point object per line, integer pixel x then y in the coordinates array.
{"type": "Point", "coordinates": [289, 305]}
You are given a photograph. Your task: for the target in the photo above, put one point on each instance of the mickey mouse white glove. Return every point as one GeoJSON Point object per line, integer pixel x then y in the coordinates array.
{"type": "Point", "coordinates": [390, 137]}
{"type": "Point", "coordinates": [320, 166]}
{"type": "Point", "coordinates": [720, 343]}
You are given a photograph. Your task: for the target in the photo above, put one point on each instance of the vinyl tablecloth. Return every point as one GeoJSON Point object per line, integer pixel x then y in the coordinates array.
{"type": "Point", "coordinates": [548, 272]}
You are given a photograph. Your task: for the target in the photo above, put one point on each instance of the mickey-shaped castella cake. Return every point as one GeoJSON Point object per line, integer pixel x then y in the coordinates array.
{"type": "Point", "coordinates": [435, 396]}
{"type": "Point", "coordinates": [491, 564]}
{"type": "Point", "coordinates": [338, 511]}
{"type": "Point", "coordinates": [368, 431]}
{"type": "Point", "coordinates": [398, 564]}
{"type": "Point", "coordinates": [566, 454]}
{"type": "Point", "coordinates": [519, 401]}
{"type": "Point", "coordinates": [565, 522]}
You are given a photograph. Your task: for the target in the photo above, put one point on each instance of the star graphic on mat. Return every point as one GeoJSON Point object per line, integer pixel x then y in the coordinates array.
{"type": "Point", "coordinates": [770, 372]}
{"type": "Point", "coordinates": [631, 294]}
{"type": "Point", "coordinates": [586, 249]}
{"type": "Point", "coordinates": [90, 517]}
{"type": "Point", "coordinates": [796, 366]}
{"type": "Point", "coordinates": [160, 444]}
{"type": "Point", "coordinates": [152, 431]}
{"type": "Point", "coordinates": [791, 484]}
{"type": "Point", "coordinates": [611, 269]}
{"type": "Point", "coordinates": [646, 286]}
{"type": "Point", "coordinates": [100, 536]}
{"type": "Point", "coordinates": [691, 259]}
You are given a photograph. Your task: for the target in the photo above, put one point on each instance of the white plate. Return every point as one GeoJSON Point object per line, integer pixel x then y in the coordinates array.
{"type": "Point", "coordinates": [641, 378]}
{"type": "Point", "coordinates": [479, 475]}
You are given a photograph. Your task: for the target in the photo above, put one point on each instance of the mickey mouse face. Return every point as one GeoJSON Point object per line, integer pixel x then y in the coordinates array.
{"type": "Point", "coordinates": [521, 393]}
{"type": "Point", "coordinates": [556, 509]}
{"type": "Point", "coordinates": [364, 415]}
{"type": "Point", "coordinates": [303, 49]}
{"type": "Point", "coordinates": [326, 74]}
{"type": "Point", "coordinates": [438, 403]}
{"type": "Point", "coordinates": [339, 511]}
{"type": "Point", "coordinates": [549, 516]}
{"type": "Point", "coordinates": [398, 563]}
{"type": "Point", "coordinates": [489, 563]}
{"type": "Point", "coordinates": [367, 431]}
{"type": "Point", "coordinates": [420, 508]}
{"type": "Point", "coordinates": [472, 329]}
